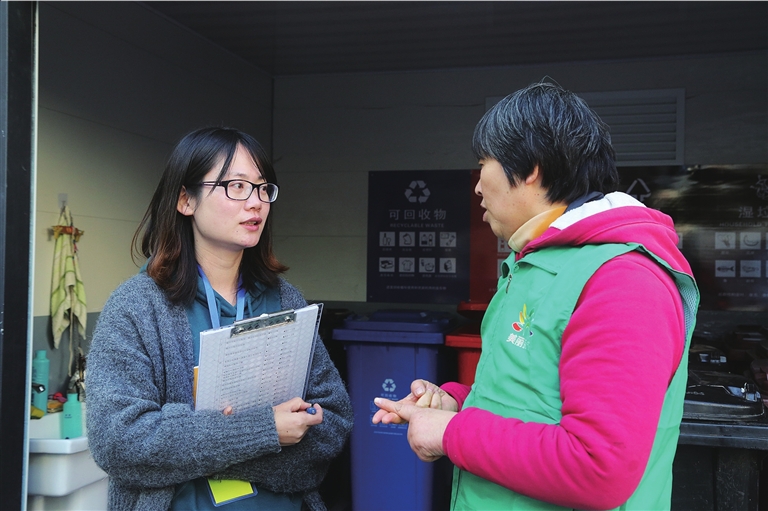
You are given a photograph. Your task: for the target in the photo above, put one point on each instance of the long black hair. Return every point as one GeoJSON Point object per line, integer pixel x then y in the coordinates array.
{"type": "Point", "coordinates": [166, 236]}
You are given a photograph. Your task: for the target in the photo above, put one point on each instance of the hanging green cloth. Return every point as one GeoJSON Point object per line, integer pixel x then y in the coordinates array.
{"type": "Point", "coordinates": [67, 290]}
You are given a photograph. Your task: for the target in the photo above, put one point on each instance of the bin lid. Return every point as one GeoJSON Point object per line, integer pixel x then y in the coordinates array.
{"type": "Point", "coordinates": [713, 395]}
{"type": "Point", "coordinates": [398, 320]}
{"type": "Point", "coordinates": [472, 310]}
{"type": "Point", "coordinates": [384, 337]}
{"type": "Point", "coordinates": [396, 326]}
{"type": "Point", "coordinates": [465, 336]}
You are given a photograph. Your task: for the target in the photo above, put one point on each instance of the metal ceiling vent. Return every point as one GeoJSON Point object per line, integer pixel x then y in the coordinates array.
{"type": "Point", "coordinates": [647, 126]}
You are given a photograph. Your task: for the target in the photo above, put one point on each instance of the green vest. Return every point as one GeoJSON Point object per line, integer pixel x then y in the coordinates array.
{"type": "Point", "coordinates": [535, 299]}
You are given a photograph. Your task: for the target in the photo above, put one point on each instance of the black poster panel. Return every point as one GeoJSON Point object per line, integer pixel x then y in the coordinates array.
{"type": "Point", "coordinates": [418, 236]}
{"type": "Point", "coordinates": [721, 217]}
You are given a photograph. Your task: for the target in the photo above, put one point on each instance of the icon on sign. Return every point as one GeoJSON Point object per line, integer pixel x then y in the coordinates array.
{"type": "Point", "coordinates": [407, 264]}
{"type": "Point", "coordinates": [447, 265]}
{"type": "Point", "coordinates": [725, 240]}
{"type": "Point", "coordinates": [427, 264]}
{"type": "Point", "coordinates": [417, 191]}
{"type": "Point", "coordinates": [750, 241]}
{"type": "Point", "coordinates": [639, 190]}
{"type": "Point", "coordinates": [725, 268]}
{"type": "Point", "coordinates": [750, 269]}
{"type": "Point", "coordinates": [447, 239]}
{"type": "Point", "coordinates": [386, 264]}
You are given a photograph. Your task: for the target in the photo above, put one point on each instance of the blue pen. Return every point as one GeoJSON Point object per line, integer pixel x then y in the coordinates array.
{"type": "Point", "coordinates": [311, 410]}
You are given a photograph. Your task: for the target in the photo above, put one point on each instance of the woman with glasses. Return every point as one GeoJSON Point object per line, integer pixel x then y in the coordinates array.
{"type": "Point", "coordinates": [207, 239]}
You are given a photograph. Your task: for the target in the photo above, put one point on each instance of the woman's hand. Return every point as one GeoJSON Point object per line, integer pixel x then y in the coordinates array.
{"type": "Point", "coordinates": [423, 394]}
{"type": "Point", "coordinates": [426, 426]}
{"type": "Point", "coordinates": [293, 421]}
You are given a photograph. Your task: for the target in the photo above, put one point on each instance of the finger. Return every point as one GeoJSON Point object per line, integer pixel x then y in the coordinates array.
{"type": "Point", "coordinates": [404, 410]}
{"type": "Point", "coordinates": [318, 415]}
{"type": "Point", "coordinates": [385, 417]}
{"type": "Point", "coordinates": [434, 400]}
{"type": "Point", "coordinates": [437, 401]}
{"type": "Point", "coordinates": [426, 399]}
{"type": "Point", "coordinates": [297, 404]}
{"type": "Point", "coordinates": [418, 387]}
{"type": "Point", "coordinates": [393, 418]}
{"type": "Point", "coordinates": [377, 416]}
{"type": "Point", "coordinates": [228, 411]}
{"type": "Point", "coordinates": [385, 404]}
{"type": "Point", "coordinates": [391, 409]}
{"type": "Point", "coordinates": [292, 405]}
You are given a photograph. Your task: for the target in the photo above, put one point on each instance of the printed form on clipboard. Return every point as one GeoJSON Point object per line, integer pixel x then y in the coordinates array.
{"type": "Point", "coordinates": [258, 361]}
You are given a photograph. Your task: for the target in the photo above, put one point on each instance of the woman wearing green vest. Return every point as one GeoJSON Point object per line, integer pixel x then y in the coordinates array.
{"type": "Point", "coordinates": [579, 390]}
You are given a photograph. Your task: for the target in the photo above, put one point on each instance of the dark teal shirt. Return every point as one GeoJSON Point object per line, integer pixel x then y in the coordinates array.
{"type": "Point", "coordinates": [263, 300]}
{"type": "Point", "coordinates": [193, 495]}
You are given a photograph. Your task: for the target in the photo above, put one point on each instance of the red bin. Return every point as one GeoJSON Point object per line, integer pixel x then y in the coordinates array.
{"type": "Point", "coordinates": [466, 341]}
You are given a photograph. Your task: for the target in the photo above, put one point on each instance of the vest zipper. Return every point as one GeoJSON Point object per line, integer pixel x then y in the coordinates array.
{"type": "Point", "coordinates": [509, 281]}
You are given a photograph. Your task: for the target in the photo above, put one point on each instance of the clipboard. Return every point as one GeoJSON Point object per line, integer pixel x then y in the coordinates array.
{"type": "Point", "coordinates": [258, 361]}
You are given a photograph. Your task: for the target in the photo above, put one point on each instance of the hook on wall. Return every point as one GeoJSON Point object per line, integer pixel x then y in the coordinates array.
{"type": "Point", "coordinates": [58, 230]}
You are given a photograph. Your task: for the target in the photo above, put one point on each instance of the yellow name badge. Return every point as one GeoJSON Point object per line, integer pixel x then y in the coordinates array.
{"type": "Point", "coordinates": [194, 385]}
{"type": "Point", "coordinates": [224, 491]}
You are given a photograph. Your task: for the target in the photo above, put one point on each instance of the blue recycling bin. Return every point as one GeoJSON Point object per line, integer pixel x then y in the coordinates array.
{"type": "Point", "coordinates": [386, 351]}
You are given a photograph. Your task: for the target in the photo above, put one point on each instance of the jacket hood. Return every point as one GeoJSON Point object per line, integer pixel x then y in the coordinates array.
{"type": "Point", "coordinates": [616, 218]}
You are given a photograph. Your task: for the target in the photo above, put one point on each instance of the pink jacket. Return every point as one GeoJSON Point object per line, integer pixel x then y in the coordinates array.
{"type": "Point", "coordinates": [620, 350]}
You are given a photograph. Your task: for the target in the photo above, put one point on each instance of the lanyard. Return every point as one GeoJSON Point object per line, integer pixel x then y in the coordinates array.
{"type": "Point", "coordinates": [212, 309]}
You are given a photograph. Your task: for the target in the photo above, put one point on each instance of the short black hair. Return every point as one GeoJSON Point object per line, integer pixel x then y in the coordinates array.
{"type": "Point", "coordinates": [546, 125]}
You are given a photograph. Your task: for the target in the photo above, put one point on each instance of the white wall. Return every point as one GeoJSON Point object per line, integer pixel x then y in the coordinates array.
{"type": "Point", "coordinates": [118, 86]}
{"type": "Point", "coordinates": [330, 130]}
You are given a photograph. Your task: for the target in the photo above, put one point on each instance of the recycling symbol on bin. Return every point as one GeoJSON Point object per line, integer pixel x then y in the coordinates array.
{"type": "Point", "coordinates": [417, 191]}
{"type": "Point", "coordinates": [389, 385]}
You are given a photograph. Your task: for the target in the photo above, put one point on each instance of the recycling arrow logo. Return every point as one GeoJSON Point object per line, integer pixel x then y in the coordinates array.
{"type": "Point", "coordinates": [639, 190]}
{"type": "Point", "coordinates": [417, 191]}
{"type": "Point", "coordinates": [389, 385]}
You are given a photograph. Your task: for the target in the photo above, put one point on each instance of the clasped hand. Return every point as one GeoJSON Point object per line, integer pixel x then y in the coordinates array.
{"type": "Point", "coordinates": [428, 409]}
{"type": "Point", "coordinates": [292, 420]}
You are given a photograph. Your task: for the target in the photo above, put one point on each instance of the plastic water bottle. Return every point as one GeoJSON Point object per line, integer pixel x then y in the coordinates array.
{"type": "Point", "coordinates": [40, 371]}
{"type": "Point", "coordinates": [72, 418]}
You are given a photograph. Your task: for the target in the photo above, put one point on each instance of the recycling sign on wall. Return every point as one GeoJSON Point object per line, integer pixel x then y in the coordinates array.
{"type": "Point", "coordinates": [417, 191]}
{"type": "Point", "coordinates": [418, 236]}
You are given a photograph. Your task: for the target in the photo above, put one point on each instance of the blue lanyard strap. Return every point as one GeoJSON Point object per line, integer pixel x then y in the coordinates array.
{"type": "Point", "coordinates": [212, 309]}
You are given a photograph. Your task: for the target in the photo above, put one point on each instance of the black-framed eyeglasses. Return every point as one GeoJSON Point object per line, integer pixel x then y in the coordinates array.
{"type": "Point", "coordinates": [240, 189]}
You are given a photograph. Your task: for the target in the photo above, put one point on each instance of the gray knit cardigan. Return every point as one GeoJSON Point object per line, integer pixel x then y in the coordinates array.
{"type": "Point", "coordinates": [143, 431]}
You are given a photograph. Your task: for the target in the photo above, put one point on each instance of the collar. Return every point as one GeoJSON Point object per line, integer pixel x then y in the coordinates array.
{"type": "Point", "coordinates": [534, 228]}
{"type": "Point", "coordinates": [213, 308]}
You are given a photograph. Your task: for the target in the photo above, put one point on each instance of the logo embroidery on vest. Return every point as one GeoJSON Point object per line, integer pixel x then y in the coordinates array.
{"type": "Point", "coordinates": [522, 329]}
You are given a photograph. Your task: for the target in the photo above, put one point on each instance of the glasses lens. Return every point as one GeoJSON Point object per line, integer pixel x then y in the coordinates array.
{"type": "Point", "coordinates": [267, 192]}
{"type": "Point", "coordinates": [239, 190]}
